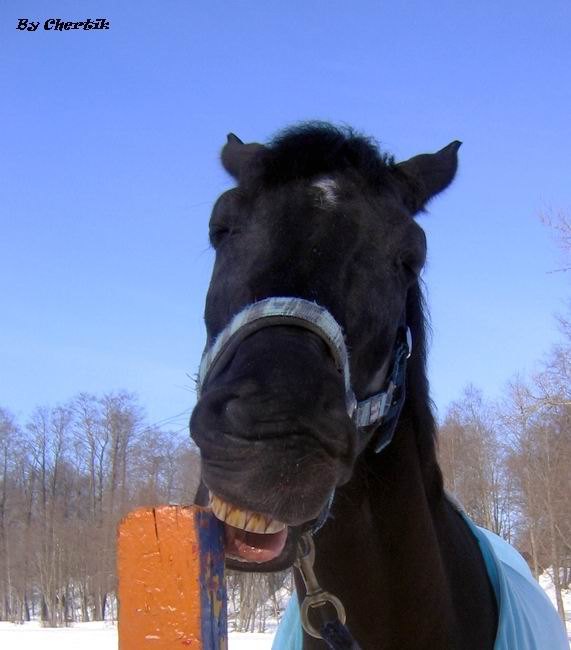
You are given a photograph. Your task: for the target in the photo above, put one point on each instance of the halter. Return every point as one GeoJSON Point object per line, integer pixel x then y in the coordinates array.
{"type": "Point", "coordinates": [381, 409]}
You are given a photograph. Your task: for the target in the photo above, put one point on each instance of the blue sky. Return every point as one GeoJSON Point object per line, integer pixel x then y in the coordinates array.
{"type": "Point", "coordinates": [109, 151]}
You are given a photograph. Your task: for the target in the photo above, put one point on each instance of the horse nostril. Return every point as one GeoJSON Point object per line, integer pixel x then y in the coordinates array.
{"type": "Point", "coordinates": [234, 414]}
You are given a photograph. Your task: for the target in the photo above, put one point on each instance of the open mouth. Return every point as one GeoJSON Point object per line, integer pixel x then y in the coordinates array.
{"type": "Point", "coordinates": [249, 536]}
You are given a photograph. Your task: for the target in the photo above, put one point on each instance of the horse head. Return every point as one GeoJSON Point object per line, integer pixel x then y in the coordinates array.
{"type": "Point", "coordinates": [319, 215]}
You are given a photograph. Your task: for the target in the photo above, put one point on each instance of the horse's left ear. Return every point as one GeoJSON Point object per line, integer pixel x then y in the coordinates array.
{"type": "Point", "coordinates": [431, 173]}
{"type": "Point", "coordinates": [236, 156]}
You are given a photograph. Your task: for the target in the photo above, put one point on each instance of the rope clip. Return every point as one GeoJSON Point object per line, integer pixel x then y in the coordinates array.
{"type": "Point", "coordinates": [315, 596]}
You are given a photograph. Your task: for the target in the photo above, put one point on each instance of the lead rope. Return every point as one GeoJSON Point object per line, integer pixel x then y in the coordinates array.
{"type": "Point", "coordinates": [333, 632]}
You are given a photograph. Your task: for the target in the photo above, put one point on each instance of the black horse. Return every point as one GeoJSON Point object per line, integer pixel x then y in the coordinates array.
{"type": "Point", "coordinates": [321, 215]}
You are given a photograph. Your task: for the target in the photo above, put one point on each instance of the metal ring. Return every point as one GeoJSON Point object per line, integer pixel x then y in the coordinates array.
{"type": "Point", "coordinates": [319, 600]}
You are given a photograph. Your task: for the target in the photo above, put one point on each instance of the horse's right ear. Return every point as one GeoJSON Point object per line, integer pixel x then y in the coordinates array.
{"type": "Point", "coordinates": [430, 173]}
{"type": "Point", "coordinates": [236, 156]}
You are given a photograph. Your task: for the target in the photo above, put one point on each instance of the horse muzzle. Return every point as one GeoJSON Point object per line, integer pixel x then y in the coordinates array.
{"type": "Point", "coordinates": [275, 441]}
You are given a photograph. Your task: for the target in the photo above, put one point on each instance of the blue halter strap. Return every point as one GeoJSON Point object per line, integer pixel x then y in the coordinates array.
{"type": "Point", "coordinates": [381, 410]}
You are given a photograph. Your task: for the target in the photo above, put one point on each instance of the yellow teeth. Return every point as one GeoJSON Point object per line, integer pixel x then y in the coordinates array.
{"type": "Point", "coordinates": [253, 522]}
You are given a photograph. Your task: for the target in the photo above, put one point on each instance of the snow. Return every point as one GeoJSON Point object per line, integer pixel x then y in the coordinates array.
{"type": "Point", "coordinates": [546, 583]}
{"type": "Point", "coordinates": [87, 636]}
{"type": "Point", "coordinates": [96, 636]}
{"type": "Point", "coordinates": [238, 641]}
{"type": "Point", "coordinates": [103, 636]}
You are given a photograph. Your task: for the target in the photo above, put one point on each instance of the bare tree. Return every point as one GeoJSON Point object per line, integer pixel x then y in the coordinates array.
{"type": "Point", "coordinates": [559, 222]}
{"type": "Point", "coordinates": [472, 460]}
{"type": "Point", "coordinates": [8, 439]}
{"type": "Point", "coordinates": [539, 420]}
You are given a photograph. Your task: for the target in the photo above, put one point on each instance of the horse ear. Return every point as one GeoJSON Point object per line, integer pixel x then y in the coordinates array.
{"type": "Point", "coordinates": [236, 155]}
{"type": "Point", "coordinates": [431, 173]}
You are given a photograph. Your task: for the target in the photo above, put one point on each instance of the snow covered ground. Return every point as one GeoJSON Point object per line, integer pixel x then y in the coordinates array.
{"type": "Point", "coordinates": [100, 636]}
{"type": "Point", "coordinates": [103, 636]}
{"type": "Point", "coordinates": [547, 584]}
{"type": "Point", "coordinates": [95, 636]}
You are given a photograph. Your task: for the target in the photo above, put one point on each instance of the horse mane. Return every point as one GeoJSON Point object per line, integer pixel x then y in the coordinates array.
{"type": "Point", "coordinates": [418, 407]}
{"type": "Point", "coordinates": [317, 148]}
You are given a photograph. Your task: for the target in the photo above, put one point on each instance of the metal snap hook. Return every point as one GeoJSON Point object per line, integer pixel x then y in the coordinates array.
{"type": "Point", "coordinates": [315, 595]}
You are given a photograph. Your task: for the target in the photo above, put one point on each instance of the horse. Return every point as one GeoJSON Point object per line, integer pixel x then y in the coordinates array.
{"type": "Point", "coordinates": [314, 414]}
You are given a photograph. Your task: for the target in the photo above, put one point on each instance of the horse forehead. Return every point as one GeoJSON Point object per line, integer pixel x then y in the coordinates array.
{"type": "Point", "coordinates": [328, 189]}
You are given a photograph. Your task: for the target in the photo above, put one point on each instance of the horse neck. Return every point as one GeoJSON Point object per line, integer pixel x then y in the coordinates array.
{"type": "Point", "coordinates": [381, 553]}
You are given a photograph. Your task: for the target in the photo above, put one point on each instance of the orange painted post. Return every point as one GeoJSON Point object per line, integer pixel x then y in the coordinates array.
{"type": "Point", "coordinates": [171, 580]}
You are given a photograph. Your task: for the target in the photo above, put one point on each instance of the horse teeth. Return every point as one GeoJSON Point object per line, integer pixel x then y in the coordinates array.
{"type": "Point", "coordinates": [253, 522]}
{"type": "Point", "coordinates": [274, 526]}
{"type": "Point", "coordinates": [236, 518]}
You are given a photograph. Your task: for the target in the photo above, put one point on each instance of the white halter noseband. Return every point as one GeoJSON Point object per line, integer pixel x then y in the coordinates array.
{"type": "Point", "coordinates": [313, 317]}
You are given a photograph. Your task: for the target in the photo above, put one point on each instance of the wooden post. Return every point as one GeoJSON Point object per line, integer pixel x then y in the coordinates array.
{"type": "Point", "coordinates": [171, 580]}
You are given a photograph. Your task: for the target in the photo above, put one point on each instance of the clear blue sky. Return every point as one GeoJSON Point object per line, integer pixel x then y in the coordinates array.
{"type": "Point", "coordinates": [109, 147]}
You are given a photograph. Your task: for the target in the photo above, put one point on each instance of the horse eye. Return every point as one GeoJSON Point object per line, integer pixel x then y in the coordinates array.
{"type": "Point", "coordinates": [412, 264]}
{"type": "Point", "coordinates": [217, 234]}
{"type": "Point", "coordinates": [415, 265]}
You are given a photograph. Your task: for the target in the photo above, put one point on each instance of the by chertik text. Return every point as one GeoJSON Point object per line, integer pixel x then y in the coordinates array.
{"type": "Point", "coordinates": [59, 25]}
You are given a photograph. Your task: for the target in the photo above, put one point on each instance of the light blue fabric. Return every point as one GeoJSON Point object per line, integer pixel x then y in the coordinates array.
{"type": "Point", "coordinates": [527, 619]}
{"type": "Point", "coordinates": [289, 635]}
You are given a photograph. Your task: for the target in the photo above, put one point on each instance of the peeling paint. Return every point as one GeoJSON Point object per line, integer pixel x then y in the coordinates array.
{"type": "Point", "coordinates": [171, 580]}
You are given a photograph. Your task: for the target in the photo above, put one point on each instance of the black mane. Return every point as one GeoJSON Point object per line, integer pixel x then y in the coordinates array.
{"type": "Point", "coordinates": [318, 148]}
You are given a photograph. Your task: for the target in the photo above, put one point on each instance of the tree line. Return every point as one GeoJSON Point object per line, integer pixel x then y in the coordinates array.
{"type": "Point", "coordinates": [70, 473]}
{"type": "Point", "coordinates": [67, 477]}
{"type": "Point", "coordinates": [507, 464]}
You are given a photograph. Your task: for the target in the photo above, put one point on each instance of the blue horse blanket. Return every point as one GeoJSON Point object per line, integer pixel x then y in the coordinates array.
{"type": "Point", "coordinates": [527, 619]}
